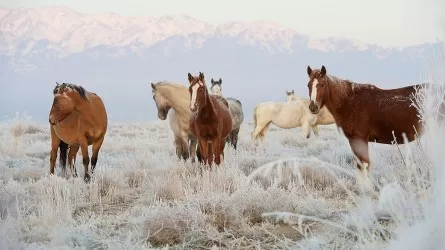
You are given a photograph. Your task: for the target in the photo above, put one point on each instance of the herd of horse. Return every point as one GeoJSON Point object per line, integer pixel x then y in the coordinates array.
{"type": "Point", "coordinates": [203, 120]}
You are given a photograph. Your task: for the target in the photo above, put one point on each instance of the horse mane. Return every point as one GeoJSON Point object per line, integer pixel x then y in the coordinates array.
{"type": "Point", "coordinates": [79, 89]}
{"type": "Point", "coordinates": [166, 88]}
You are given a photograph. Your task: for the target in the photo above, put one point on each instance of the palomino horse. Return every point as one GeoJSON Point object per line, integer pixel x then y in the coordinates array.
{"type": "Point", "coordinates": [365, 112]}
{"type": "Point", "coordinates": [236, 111]}
{"type": "Point", "coordinates": [166, 96]}
{"type": "Point", "coordinates": [78, 118]}
{"type": "Point", "coordinates": [291, 97]}
{"type": "Point", "coordinates": [288, 115]}
{"type": "Point", "coordinates": [210, 121]}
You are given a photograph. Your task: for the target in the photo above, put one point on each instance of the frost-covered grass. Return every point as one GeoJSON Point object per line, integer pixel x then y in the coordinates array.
{"type": "Point", "coordinates": [143, 197]}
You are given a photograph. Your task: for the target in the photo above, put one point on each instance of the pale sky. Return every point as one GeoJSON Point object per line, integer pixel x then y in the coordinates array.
{"type": "Point", "coordinates": [384, 22]}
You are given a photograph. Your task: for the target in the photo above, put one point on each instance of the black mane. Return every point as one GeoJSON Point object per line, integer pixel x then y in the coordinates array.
{"type": "Point", "coordinates": [82, 92]}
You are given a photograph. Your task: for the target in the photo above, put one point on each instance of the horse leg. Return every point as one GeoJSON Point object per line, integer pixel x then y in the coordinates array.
{"type": "Point", "coordinates": [210, 153]}
{"type": "Point", "coordinates": [315, 129]}
{"type": "Point", "coordinates": [199, 153]}
{"type": "Point", "coordinates": [263, 132]}
{"type": "Point", "coordinates": [360, 149]}
{"type": "Point", "coordinates": [85, 158]}
{"type": "Point", "coordinates": [72, 160]}
{"type": "Point", "coordinates": [307, 130]}
{"type": "Point", "coordinates": [216, 145]}
{"type": "Point", "coordinates": [222, 146]}
{"type": "Point", "coordinates": [185, 148]}
{"type": "Point", "coordinates": [203, 151]}
{"type": "Point", "coordinates": [96, 147]}
{"type": "Point", "coordinates": [53, 156]}
{"type": "Point", "coordinates": [257, 131]}
{"type": "Point", "coordinates": [178, 146]}
{"type": "Point", "coordinates": [193, 149]}
{"type": "Point", "coordinates": [55, 142]}
{"type": "Point", "coordinates": [234, 137]}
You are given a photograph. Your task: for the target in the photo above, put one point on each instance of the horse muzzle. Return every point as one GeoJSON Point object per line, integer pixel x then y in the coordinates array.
{"type": "Point", "coordinates": [162, 116]}
{"type": "Point", "coordinates": [51, 121]}
{"type": "Point", "coordinates": [314, 108]}
{"type": "Point", "coordinates": [193, 108]}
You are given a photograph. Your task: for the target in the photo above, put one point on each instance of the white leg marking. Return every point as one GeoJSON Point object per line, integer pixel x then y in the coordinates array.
{"type": "Point", "coordinates": [314, 90]}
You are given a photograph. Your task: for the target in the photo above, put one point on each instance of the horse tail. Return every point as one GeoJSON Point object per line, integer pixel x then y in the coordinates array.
{"type": "Point", "coordinates": [254, 116]}
{"type": "Point", "coordinates": [63, 153]}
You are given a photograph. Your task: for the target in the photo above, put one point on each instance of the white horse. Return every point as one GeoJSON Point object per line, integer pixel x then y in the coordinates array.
{"type": "Point", "coordinates": [166, 96]}
{"type": "Point", "coordinates": [291, 97]}
{"type": "Point", "coordinates": [236, 111]}
{"type": "Point", "coordinates": [288, 115]}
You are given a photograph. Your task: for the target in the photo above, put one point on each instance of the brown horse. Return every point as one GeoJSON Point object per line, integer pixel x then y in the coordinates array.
{"type": "Point", "coordinates": [78, 118]}
{"type": "Point", "coordinates": [210, 120]}
{"type": "Point", "coordinates": [365, 112]}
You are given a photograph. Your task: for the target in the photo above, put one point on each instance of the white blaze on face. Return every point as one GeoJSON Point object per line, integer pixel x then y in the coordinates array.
{"type": "Point", "coordinates": [194, 94]}
{"type": "Point", "coordinates": [314, 90]}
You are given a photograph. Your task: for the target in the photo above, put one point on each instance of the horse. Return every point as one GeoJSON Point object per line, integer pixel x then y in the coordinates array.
{"type": "Point", "coordinates": [210, 120]}
{"type": "Point", "coordinates": [290, 95]}
{"type": "Point", "coordinates": [365, 112]}
{"type": "Point", "coordinates": [168, 95]}
{"type": "Point", "coordinates": [235, 108]}
{"type": "Point", "coordinates": [77, 118]}
{"type": "Point", "coordinates": [288, 115]}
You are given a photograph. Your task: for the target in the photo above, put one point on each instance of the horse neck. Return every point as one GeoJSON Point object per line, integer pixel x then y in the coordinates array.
{"type": "Point", "coordinates": [206, 108]}
{"type": "Point", "coordinates": [218, 93]}
{"type": "Point", "coordinates": [336, 93]}
{"type": "Point", "coordinates": [85, 109]}
{"type": "Point", "coordinates": [178, 103]}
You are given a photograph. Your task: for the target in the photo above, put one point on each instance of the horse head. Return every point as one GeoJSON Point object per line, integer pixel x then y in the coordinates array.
{"type": "Point", "coordinates": [64, 103]}
{"type": "Point", "coordinates": [162, 103]}
{"type": "Point", "coordinates": [198, 91]}
{"type": "Point", "coordinates": [216, 87]}
{"type": "Point", "coordinates": [291, 97]}
{"type": "Point", "coordinates": [316, 86]}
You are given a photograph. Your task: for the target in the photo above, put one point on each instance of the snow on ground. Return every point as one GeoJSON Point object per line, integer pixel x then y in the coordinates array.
{"type": "Point", "coordinates": [142, 197]}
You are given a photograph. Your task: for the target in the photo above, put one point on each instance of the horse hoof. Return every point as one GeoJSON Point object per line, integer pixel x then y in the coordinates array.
{"type": "Point", "coordinates": [87, 178]}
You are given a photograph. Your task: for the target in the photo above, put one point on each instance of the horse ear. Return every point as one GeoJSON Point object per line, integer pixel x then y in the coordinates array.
{"type": "Point", "coordinates": [212, 81]}
{"type": "Point", "coordinates": [309, 70]}
{"type": "Point", "coordinates": [153, 86]}
{"type": "Point", "coordinates": [190, 77]}
{"type": "Point", "coordinates": [293, 91]}
{"type": "Point", "coordinates": [323, 70]}
{"type": "Point", "coordinates": [201, 76]}
{"type": "Point", "coordinates": [220, 81]}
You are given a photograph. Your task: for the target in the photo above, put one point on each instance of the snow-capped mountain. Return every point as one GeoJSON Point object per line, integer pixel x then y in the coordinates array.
{"type": "Point", "coordinates": [44, 45]}
{"type": "Point", "coordinates": [67, 32]}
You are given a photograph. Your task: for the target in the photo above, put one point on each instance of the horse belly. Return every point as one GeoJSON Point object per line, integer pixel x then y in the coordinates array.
{"type": "Point", "coordinates": [386, 131]}
{"type": "Point", "coordinates": [236, 114]}
{"type": "Point", "coordinates": [67, 135]}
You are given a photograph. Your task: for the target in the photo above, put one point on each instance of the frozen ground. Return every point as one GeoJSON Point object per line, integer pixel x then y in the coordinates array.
{"type": "Point", "coordinates": [143, 197]}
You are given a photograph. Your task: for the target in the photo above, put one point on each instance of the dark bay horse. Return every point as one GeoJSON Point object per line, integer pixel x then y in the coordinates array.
{"type": "Point", "coordinates": [365, 112]}
{"type": "Point", "coordinates": [210, 120]}
{"type": "Point", "coordinates": [78, 118]}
